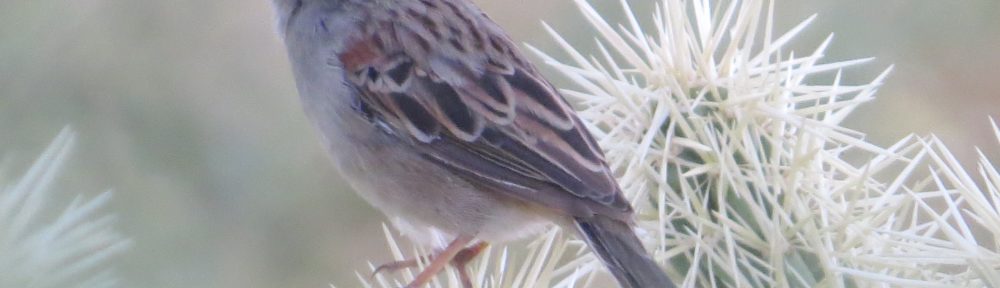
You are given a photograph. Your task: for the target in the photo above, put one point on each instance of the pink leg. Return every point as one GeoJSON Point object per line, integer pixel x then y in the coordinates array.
{"type": "Point", "coordinates": [464, 257]}
{"type": "Point", "coordinates": [459, 261]}
{"type": "Point", "coordinates": [440, 261]}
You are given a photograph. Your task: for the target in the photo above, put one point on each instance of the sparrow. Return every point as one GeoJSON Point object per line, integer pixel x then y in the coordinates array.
{"type": "Point", "coordinates": [435, 117]}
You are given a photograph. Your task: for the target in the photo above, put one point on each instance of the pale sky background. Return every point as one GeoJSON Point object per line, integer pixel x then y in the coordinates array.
{"type": "Point", "coordinates": [188, 111]}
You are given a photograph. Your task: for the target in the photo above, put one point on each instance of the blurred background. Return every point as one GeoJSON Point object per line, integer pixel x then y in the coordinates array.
{"type": "Point", "coordinates": [187, 110]}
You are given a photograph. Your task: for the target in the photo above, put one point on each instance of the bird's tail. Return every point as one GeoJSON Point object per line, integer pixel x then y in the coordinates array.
{"type": "Point", "coordinates": [622, 252]}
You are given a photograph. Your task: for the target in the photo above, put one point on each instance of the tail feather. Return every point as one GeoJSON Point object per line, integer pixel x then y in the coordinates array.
{"type": "Point", "coordinates": [622, 253]}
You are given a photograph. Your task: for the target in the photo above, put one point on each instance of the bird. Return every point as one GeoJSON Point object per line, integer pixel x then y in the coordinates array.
{"type": "Point", "coordinates": [434, 116]}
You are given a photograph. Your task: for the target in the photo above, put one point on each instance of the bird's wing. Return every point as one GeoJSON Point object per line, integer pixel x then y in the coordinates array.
{"type": "Point", "coordinates": [446, 79]}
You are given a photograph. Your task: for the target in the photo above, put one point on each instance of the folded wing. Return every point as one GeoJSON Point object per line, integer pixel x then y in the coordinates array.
{"type": "Point", "coordinates": [455, 87]}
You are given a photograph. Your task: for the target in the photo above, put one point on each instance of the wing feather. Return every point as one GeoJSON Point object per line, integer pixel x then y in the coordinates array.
{"type": "Point", "coordinates": [448, 76]}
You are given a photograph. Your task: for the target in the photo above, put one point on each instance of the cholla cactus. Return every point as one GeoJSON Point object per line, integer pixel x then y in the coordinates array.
{"type": "Point", "coordinates": [738, 166]}
{"type": "Point", "coordinates": [68, 251]}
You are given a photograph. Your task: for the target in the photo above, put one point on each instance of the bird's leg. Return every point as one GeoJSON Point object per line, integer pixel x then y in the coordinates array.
{"type": "Point", "coordinates": [440, 260]}
{"type": "Point", "coordinates": [461, 259]}
{"type": "Point", "coordinates": [397, 265]}
{"type": "Point", "coordinates": [464, 257]}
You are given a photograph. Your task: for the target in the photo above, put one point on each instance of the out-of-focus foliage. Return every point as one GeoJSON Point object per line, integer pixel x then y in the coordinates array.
{"type": "Point", "coordinates": [69, 250]}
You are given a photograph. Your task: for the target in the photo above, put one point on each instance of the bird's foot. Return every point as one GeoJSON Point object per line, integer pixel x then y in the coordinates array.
{"type": "Point", "coordinates": [454, 254]}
